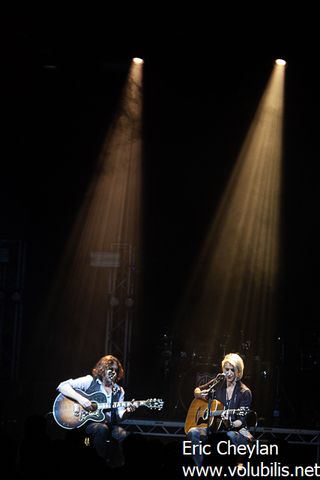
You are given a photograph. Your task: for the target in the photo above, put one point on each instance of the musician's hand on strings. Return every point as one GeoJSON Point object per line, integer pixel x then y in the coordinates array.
{"type": "Point", "coordinates": [86, 404]}
{"type": "Point", "coordinates": [225, 415]}
{"type": "Point", "coordinates": [132, 407]}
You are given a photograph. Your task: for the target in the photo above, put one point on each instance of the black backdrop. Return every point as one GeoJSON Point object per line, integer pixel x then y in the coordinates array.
{"type": "Point", "coordinates": [201, 87]}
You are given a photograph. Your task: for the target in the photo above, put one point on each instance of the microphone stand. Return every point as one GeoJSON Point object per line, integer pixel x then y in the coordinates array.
{"type": "Point", "coordinates": [211, 396]}
{"type": "Point", "coordinates": [112, 413]}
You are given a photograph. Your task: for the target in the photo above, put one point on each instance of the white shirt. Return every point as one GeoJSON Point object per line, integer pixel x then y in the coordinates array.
{"type": "Point", "coordinates": [83, 383]}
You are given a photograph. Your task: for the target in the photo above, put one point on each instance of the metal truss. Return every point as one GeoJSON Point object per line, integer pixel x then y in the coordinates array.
{"type": "Point", "coordinates": [294, 436]}
{"type": "Point", "coordinates": [155, 428]}
{"type": "Point", "coordinates": [120, 264]}
{"type": "Point", "coordinates": [121, 301]}
{"type": "Point", "coordinates": [12, 271]}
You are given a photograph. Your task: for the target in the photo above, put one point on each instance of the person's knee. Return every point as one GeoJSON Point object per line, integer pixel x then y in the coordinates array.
{"type": "Point", "coordinates": [193, 434]}
{"type": "Point", "coordinates": [119, 434]}
{"type": "Point", "coordinates": [236, 438]}
{"type": "Point", "coordinates": [231, 435]}
{"type": "Point", "coordinates": [98, 429]}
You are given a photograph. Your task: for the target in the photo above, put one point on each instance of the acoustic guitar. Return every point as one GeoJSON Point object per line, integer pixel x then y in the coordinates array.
{"type": "Point", "coordinates": [199, 416]}
{"type": "Point", "coordinates": [70, 414]}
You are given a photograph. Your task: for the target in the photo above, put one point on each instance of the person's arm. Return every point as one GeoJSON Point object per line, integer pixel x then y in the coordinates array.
{"type": "Point", "coordinates": [236, 423]}
{"type": "Point", "coordinates": [245, 403]}
{"type": "Point", "coordinates": [128, 410]}
{"type": "Point", "coordinates": [68, 387]}
{"type": "Point", "coordinates": [123, 412]}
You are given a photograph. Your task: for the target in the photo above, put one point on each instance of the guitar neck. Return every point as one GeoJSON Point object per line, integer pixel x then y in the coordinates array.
{"type": "Point", "coordinates": [137, 403]}
{"type": "Point", "coordinates": [217, 413]}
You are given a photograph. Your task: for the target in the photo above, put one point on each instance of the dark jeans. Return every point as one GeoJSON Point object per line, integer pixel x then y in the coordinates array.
{"type": "Point", "coordinates": [106, 440]}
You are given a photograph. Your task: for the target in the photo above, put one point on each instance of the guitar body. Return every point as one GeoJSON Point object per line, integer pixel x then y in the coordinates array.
{"type": "Point", "coordinates": [70, 414]}
{"type": "Point", "coordinates": [197, 415]}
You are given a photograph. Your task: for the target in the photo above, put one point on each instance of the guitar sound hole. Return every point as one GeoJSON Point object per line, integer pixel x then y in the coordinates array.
{"type": "Point", "coordinates": [94, 406]}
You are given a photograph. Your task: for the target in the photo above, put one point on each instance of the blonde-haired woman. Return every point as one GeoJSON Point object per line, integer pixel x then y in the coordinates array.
{"type": "Point", "coordinates": [230, 396]}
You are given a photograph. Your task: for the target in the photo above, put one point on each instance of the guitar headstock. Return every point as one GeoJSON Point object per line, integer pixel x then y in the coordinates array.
{"type": "Point", "coordinates": [154, 403]}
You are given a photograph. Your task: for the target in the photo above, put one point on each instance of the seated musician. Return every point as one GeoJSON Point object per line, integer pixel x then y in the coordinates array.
{"type": "Point", "coordinates": [233, 395]}
{"type": "Point", "coordinates": [105, 375]}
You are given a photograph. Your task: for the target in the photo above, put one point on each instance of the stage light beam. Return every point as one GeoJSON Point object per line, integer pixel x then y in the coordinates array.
{"type": "Point", "coordinates": [107, 225]}
{"type": "Point", "coordinates": [233, 295]}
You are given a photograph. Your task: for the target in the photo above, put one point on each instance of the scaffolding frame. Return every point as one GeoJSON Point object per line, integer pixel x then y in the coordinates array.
{"type": "Point", "coordinates": [120, 265]}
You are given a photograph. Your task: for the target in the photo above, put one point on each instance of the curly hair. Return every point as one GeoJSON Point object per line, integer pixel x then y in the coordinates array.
{"type": "Point", "coordinates": [236, 361]}
{"type": "Point", "coordinates": [103, 364]}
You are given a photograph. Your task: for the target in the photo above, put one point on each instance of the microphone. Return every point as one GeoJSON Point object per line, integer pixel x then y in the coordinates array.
{"type": "Point", "coordinates": [217, 379]}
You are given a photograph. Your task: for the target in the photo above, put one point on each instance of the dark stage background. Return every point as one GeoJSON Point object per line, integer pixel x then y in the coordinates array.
{"type": "Point", "coordinates": [61, 82]}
